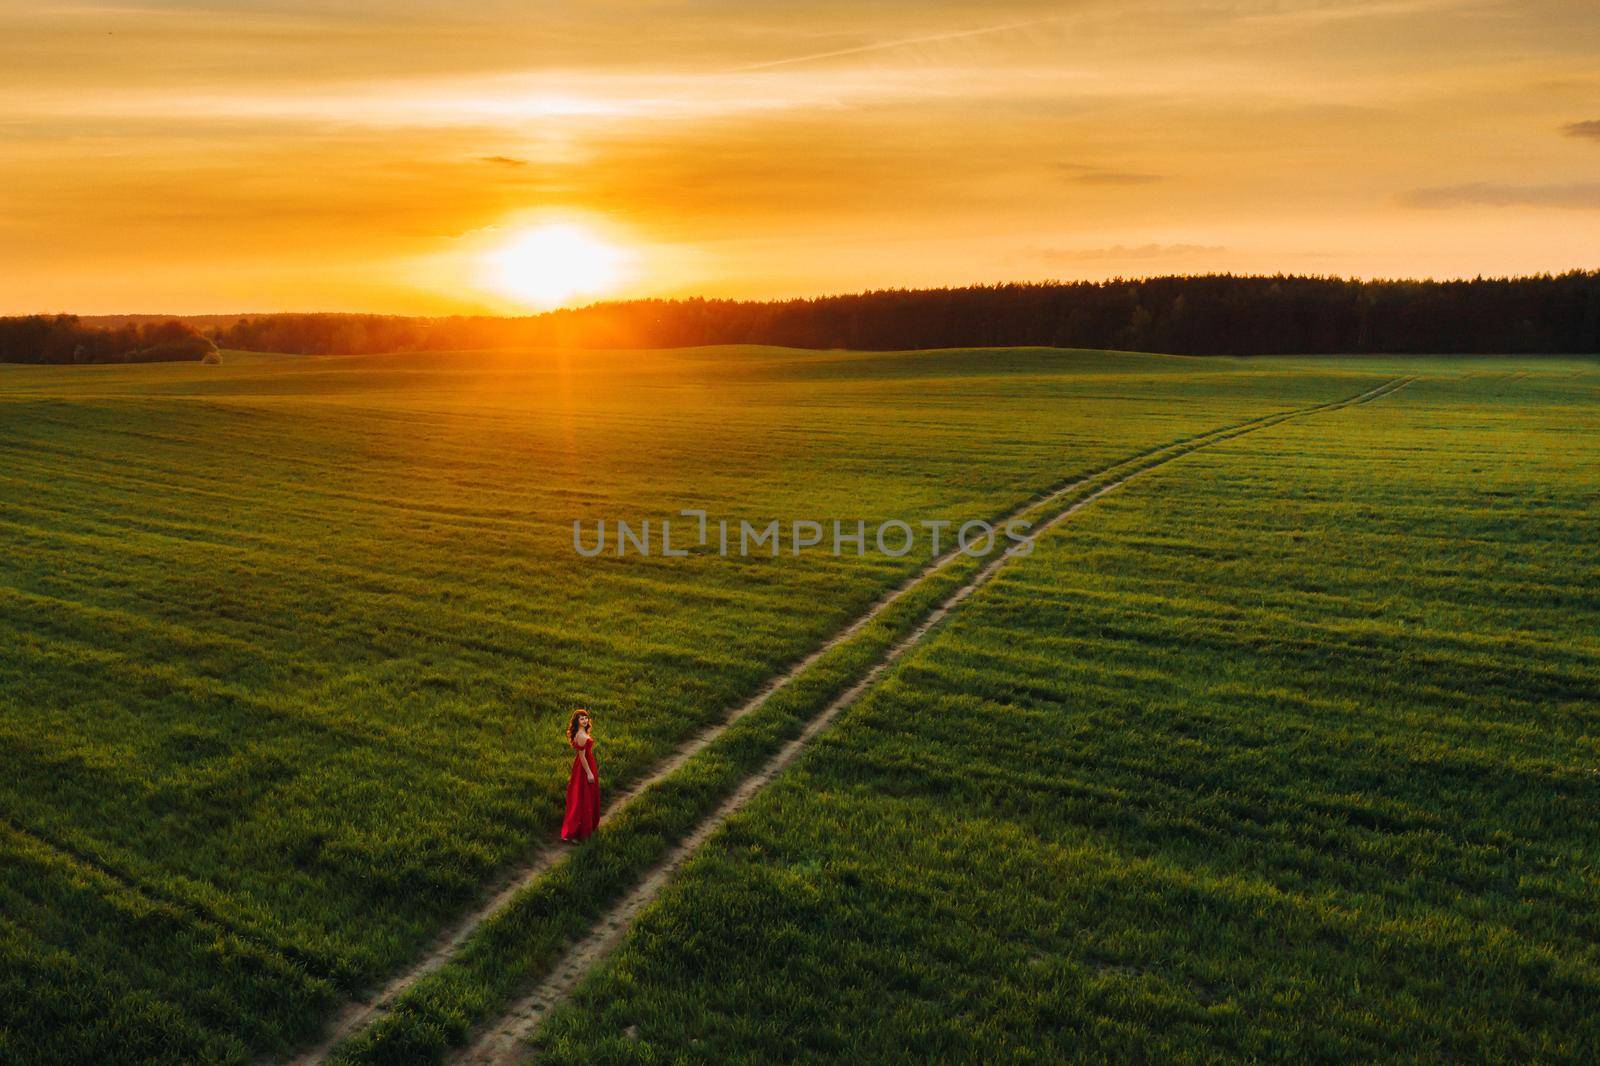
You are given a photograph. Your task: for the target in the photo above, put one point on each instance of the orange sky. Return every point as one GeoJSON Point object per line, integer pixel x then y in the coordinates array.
{"type": "Point", "coordinates": [254, 156]}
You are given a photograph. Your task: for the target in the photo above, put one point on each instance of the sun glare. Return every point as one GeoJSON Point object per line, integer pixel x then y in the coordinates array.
{"type": "Point", "coordinates": [549, 265]}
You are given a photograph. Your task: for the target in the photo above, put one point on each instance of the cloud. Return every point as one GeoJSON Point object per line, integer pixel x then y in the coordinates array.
{"type": "Point", "coordinates": [1573, 195]}
{"type": "Point", "coordinates": [901, 42]}
{"type": "Point", "coordinates": [1589, 129]}
{"type": "Point", "coordinates": [1318, 13]}
{"type": "Point", "coordinates": [1085, 175]}
{"type": "Point", "coordinates": [505, 160]}
{"type": "Point", "coordinates": [1127, 251]}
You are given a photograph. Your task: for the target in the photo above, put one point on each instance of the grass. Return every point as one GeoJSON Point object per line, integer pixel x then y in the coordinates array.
{"type": "Point", "coordinates": [522, 941]}
{"type": "Point", "coordinates": [287, 642]}
{"type": "Point", "coordinates": [525, 940]}
{"type": "Point", "coordinates": [1284, 751]}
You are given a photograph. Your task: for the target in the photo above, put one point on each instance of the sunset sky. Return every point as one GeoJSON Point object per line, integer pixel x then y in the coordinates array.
{"type": "Point", "coordinates": [396, 156]}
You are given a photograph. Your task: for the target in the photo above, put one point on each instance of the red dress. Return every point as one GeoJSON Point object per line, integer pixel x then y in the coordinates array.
{"type": "Point", "coordinates": [583, 795]}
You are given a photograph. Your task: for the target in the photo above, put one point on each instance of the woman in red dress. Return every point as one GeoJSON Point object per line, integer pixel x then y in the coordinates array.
{"type": "Point", "coordinates": [583, 787]}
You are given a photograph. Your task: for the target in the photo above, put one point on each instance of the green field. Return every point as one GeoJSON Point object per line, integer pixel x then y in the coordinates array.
{"type": "Point", "coordinates": [1287, 749]}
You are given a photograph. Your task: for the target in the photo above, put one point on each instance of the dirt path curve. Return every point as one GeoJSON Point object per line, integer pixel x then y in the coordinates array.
{"type": "Point", "coordinates": [503, 1042]}
{"type": "Point", "coordinates": [361, 1012]}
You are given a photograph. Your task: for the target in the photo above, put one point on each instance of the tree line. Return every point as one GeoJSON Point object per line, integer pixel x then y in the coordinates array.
{"type": "Point", "coordinates": [1218, 314]}
{"type": "Point", "coordinates": [1203, 315]}
{"type": "Point", "coordinates": [67, 339]}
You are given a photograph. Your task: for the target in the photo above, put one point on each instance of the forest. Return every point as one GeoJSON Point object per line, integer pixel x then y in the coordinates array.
{"type": "Point", "coordinates": [68, 339]}
{"type": "Point", "coordinates": [1196, 315]}
{"type": "Point", "coordinates": [1204, 315]}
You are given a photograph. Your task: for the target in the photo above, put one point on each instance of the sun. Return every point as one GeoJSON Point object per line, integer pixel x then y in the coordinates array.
{"type": "Point", "coordinates": [549, 265]}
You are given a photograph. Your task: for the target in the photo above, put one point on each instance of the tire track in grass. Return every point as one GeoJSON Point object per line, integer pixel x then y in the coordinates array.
{"type": "Point", "coordinates": [358, 1014]}
{"type": "Point", "coordinates": [504, 1041]}
{"type": "Point", "coordinates": [196, 913]}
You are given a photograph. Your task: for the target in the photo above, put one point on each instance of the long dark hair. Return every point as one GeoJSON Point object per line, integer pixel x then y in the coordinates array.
{"type": "Point", "coordinates": [572, 723]}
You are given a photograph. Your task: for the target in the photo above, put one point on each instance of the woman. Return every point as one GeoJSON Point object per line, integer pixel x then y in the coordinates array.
{"type": "Point", "coordinates": [583, 787]}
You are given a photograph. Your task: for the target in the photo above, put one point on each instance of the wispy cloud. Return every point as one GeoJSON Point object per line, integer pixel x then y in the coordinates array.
{"type": "Point", "coordinates": [552, 98]}
{"type": "Point", "coordinates": [900, 42]}
{"type": "Point", "coordinates": [505, 160]}
{"type": "Point", "coordinates": [1320, 13]}
{"type": "Point", "coordinates": [1589, 129]}
{"type": "Point", "coordinates": [1578, 195]}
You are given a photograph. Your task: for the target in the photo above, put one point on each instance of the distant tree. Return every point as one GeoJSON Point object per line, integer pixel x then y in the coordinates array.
{"type": "Point", "coordinates": [65, 339]}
